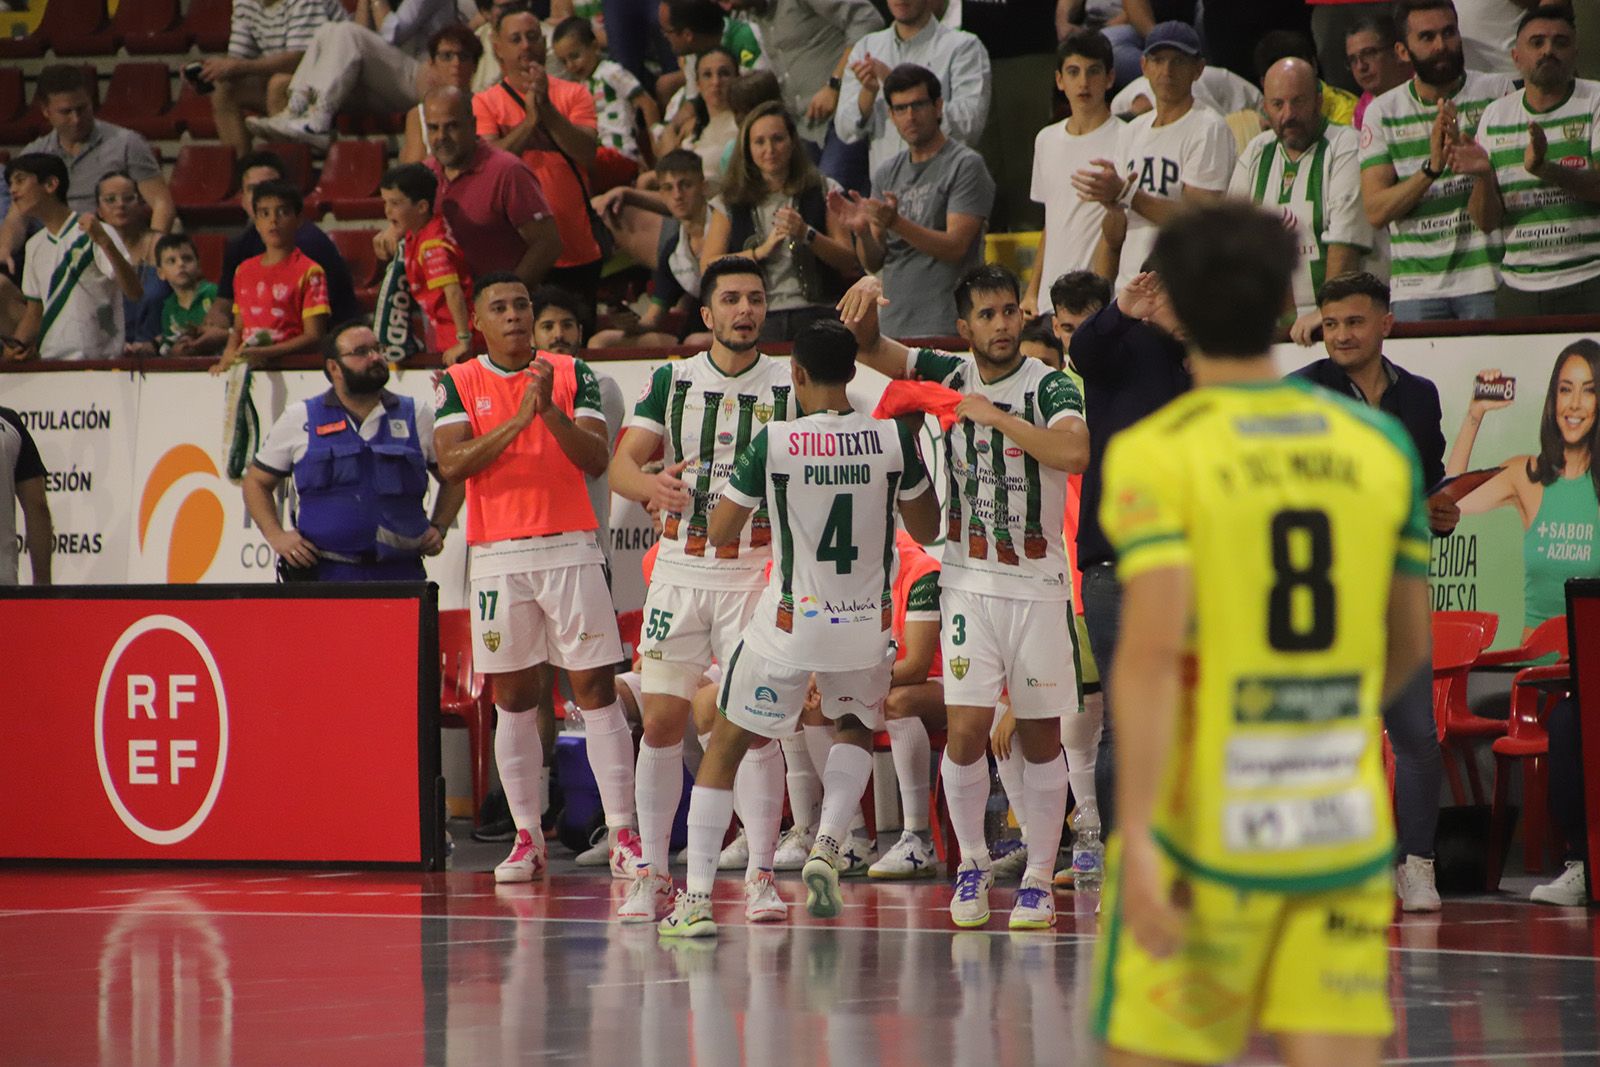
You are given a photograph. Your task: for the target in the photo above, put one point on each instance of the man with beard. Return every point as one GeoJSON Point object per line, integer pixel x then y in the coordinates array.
{"type": "Point", "coordinates": [1006, 594]}
{"type": "Point", "coordinates": [701, 413]}
{"type": "Point", "coordinates": [360, 457]}
{"type": "Point", "coordinates": [1441, 266]}
{"type": "Point", "coordinates": [1548, 132]}
{"type": "Point", "coordinates": [1305, 167]}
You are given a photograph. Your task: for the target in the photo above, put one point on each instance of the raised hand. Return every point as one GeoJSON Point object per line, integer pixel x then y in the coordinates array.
{"type": "Point", "coordinates": [1533, 156]}
{"type": "Point", "coordinates": [861, 300]}
{"type": "Point", "coordinates": [1141, 297]}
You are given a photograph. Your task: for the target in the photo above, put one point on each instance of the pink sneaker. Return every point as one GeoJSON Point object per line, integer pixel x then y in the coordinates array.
{"type": "Point", "coordinates": [626, 854]}
{"type": "Point", "coordinates": [526, 862]}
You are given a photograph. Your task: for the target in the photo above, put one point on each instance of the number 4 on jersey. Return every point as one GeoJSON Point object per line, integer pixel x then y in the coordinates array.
{"type": "Point", "coordinates": [836, 546]}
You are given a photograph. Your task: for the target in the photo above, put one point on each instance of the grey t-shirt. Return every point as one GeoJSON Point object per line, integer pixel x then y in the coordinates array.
{"type": "Point", "coordinates": [918, 286]}
{"type": "Point", "coordinates": [19, 462]}
{"type": "Point", "coordinates": [109, 148]}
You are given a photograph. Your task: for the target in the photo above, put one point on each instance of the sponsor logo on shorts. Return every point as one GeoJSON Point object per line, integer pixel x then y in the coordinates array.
{"type": "Point", "coordinates": [1196, 1000]}
{"type": "Point", "coordinates": [588, 636]}
{"type": "Point", "coordinates": [491, 640]}
{"type": "Point", "coordinates": [1039, 683]}
{"type": "Point", "coordinates": [958, 667]}
{"type": "Point", "coordinates": [1057, 579]}
{"type": "Point", "coordinates": [765, 695]}
{"type": "Point", "coordinates": [652, 653]}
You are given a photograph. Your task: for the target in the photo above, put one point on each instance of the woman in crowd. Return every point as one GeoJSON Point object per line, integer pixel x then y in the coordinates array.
{"type": "Point", "coordinates": [119, 205]}
{"type": "Point", "coordinates": [453, 56]}
{"type": "Point", "coordinates": [709, 125]}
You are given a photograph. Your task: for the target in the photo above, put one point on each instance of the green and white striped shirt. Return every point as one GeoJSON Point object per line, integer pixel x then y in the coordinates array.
{"type": "Point", "coordinates": [1552, 239]}
{"type": "Point", "coordinates": [1436, 251]}
{"type": "Point", "coordinates": [613, 89]}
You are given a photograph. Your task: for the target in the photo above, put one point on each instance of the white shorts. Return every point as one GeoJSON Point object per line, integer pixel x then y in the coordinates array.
{"type": "Point", "coordinates": [691, 628]}
{"type": "Point", "coordinates": [562, 616]}
{"type": "Point", "coordinates": [1028, 647]}
{"type": "Point", "coordinates": [765, 697]}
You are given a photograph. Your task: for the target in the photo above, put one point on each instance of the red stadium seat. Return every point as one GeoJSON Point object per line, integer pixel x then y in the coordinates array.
{"type": "Point", "coordinates": [210, 247]}
{"type": "Point", "coordinates": [139, 97]}
{"type": "Point", "coordinates": [1457, 645]}
{"type": "Point", "coordinates": [193, 112]}
{"type": "Point", "coordinates": [150, 27]}
{"type": "Point", "coordinates": [210, 21]}
{"type": "Point", "coordinates": [464, 700]}
{"type": "Point", "coordinates": [295, 156]}
{"type": "Point", "coordinates": [1534, 691]}
{"type": "Point", "coordinates": [202, 184]}
{"type": "Point", "coordinates": [20, 121]}
{"type": "Point", "coordinates": [356, 248]}
{"type": "Point", "coordinates": [350, 176]}
{"type": "Point", "coordinates": [68, 28]}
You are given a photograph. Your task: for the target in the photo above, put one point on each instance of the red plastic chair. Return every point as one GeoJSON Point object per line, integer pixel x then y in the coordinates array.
{"type": "Point", "coordinates": [193, 112]}
{"type": "Point", "coordinates": [1457, 646]}
{"type": "Point", "coordinates": [464, 701]}
{"type": "Point", "coordinates": [139, 97]}
{"type": "Point", "coordinates": [1486, 619]}
{"type": "Point", "coordinates": [150, 27]}
{"type": "Point", "coordinates": [630, 624]}
{"type": "Point", "coordinates": [1527, 742]}
{"type": "Point", "coordinates": [350, 176]}
{"type": "Point", "coordinates": [297, 158]}
{"type": "Point", "coordinates": [1549, 638]}
{"type": "Point", "coordinates": [356, 248]}
{"type": "Point", "coordinates": [209, 22]}
{"type": "Point", "coordinates": [210, 247]}
{"type": "Point", "coordinates": [67, 28]}
{"type": "Point", "coordinates": [20, 121]}
{"type": "Point", "coordinates": [202, 184]}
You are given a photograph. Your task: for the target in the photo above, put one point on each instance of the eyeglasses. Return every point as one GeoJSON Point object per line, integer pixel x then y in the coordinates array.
{"type": "Point", "coordinates": [1366, 55]}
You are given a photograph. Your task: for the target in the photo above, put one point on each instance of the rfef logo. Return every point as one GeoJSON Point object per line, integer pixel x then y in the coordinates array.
{"type": "Point", "coordinates": [161, 729]}
{"type": "Point", "coordinates": [196, 523]}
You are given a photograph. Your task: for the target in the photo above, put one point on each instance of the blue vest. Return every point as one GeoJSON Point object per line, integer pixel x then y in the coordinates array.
{"type": "Point", "coordinates": [362, 499]}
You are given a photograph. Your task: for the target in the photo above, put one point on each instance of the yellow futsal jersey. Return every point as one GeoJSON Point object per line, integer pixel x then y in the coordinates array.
{"type": "Point", "coordinates": [1293, 508]}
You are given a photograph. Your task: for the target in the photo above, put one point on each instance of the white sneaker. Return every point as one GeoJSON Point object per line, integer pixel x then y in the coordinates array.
{"type": "Point", "coordinates": [526, 861]}
{"type": "Point", "coordinates": [762, 904]}
{"type": "Point", "coordinates": [1035, 908]}
{"type": "Point", "coordinates": [821, 876]}
{"type": "Point", "coordinates": [1413, 882]}
{"type": "Point", "coordinates": [1571, 890]}
{"type": "Point", "coordinates": [599, 851]}
{"type": "Point", "coordinates": [737, 855]}
{"type": "Point", "coordinates": [627, 853]}
{"type": "Point", "coordinates": [1008, 858]}
{"type": "Point", "coordinates": [909, 857]}
{"type": "Point", "coordinates": [969, 905]}
{"type": "Point", "coordinates": [855, 854]}
{"type": "Point", "coordinates": [649, 898]}
{"type": "Point", "coordinates": [794, 848]}
{"type": "Point", "coordinates": [691, 917]}
{"type": "Point", "coordinates": [286, 127]}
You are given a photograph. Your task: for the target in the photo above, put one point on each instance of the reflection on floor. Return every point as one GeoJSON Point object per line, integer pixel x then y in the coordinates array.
{"type": "Point", "coordinates": [213, 968]}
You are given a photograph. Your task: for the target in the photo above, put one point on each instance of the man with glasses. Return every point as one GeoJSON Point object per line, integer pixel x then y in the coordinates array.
{"type": "Point", "coordinates": [1375, 64]}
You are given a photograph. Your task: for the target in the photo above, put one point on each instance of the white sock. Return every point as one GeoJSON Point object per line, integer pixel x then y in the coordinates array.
{"type": "Point", "coordinates": [1080, 737]}
{"type": "Point", "coordinates": [758, 795]}
{"type": "Point", "coordinates": [709, 812]}
{"type": "Point", "coordinates": [1044, 798]}
{"type": "Point", "coordinates": [908, 744]}
{"type": "Point", "coordinates": [1011, 780]}
{"type": "Point", "coordinates": [705, 741]}
{"type": "Point", "coordinates": [658, 786]}
{"type": "Point", "coordinates": [611, 759]}
{"type": "Point", "coordinates": [519, 757]}
{"type": "Point", "coordinates": [843, 783]}
{"type": "Point", "coordinates": [544, 787]}
{"type": "Point", "coordinates": [299, 101]}
{"type": "Point", "coordinates": [805, 784]}
{"type": "Point", "coordinates": [966, 794]}
{"type": "Point", "coordinates": [819, 741]}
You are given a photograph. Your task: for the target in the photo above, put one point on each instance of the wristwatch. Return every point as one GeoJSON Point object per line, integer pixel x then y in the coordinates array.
{"type": "Point", "coordinates": [835, 83]}
{"type": "Point", "coordinates": [1432, 175]}
{"type": "Point", "coordinates": [811, 234]}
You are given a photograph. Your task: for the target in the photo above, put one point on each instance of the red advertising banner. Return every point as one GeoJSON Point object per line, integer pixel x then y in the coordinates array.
{"type": "Point", "coordinates": [270, 723]}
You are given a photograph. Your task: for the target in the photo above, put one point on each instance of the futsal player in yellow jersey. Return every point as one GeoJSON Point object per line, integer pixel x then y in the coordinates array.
{"type": "Point", "coordinates": [1272, 541]}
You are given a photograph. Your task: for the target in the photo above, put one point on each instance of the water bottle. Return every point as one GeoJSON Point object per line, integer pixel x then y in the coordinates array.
{"type": "Point", "coordinates": [1088, 853]}
{"type": "Point", "coordinates": [995, 825]}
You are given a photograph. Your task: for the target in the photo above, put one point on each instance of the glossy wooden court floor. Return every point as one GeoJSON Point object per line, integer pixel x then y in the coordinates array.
{"type": "Point", "coordinates": [211, 968]}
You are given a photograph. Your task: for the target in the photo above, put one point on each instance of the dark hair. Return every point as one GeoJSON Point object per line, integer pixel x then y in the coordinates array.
{"type": "Point", "coordinates": [988, 278]}
{"type": "Point", "coordinates": [576, 26]}
{"type": "Point", "coordinates": [826, 349]}
{"type": "Point", "coordinates": [908, 76]}
{"type": "Point", "coordinates": [695, 16]}
{"type": "Point", "coordinates": [61, 78]}
{"type": "Point", "coordinates": [42, 165]}
{"type": "Point", "coordinates": [414, 180]}
{"type": "Point", "coordinates": [1041, 332]}
{"type": "Point", "coordinates": [1282, 44]}
{"type": "Point", "coordinates": [284, 191]}
{"type": "Point", "coordinates": [169, 241]}
{"type": "Point", "coordinates": [1354, 283]}
{"type": "Point", "coordinates": [330, 340]}
{"type": "Point", "coordinates": [1558, 12]}
{"type": "Point", "coordinates": [1079, 291]}
{"type": "Point", "coordinates": [252, 160]}
{"type": "Point", "coordinates": [680, 161]}
{"type": "Point", "coordinates": [108, 175]}
{"type": "Point", "coordinates": [462, 37]}
{"type": "Point", "coordinates": [1090, 44]}
{"type": "Point", "coordinates": [1380, 25]}
{"type": "Point", "coordinates": [722, 267]}
{"type": "Point", "coordinates": [717, 50]}
{"type": "Point", "coordinates": [1226, 269]}
{"type": "Point", "coordinates": [512, 9]}
{"type": "Point", "coordinates": [498, 277]}
{"type": "Point", "coordinates": [1546, 467]}
{"type": "Point", "coordinates": [1404, 9]}
{"type": "Point", "coordinates": [546, 296]}
{"type": "Point", "coordinates": [743, 184]}
{"type": "Point", "coordinates": [752, 89]}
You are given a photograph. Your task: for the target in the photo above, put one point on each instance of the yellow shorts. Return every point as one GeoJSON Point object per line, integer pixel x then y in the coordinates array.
{"type": "Point", "coordinates": [1313, 963]}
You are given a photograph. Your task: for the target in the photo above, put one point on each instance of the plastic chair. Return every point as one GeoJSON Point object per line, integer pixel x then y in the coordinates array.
{"type": "Point", "coordinates": [67, 28]}
{"type": "Point", "coordinates": [464, 701]}
{"type": "Point", "coordinates": [1527, 742]}
{"type": "Point", "coordinates": [210, 247]}
{"type": "Point", "coordinates": [1549, 638]}
{"type": "Point", "coordinates": [297, 158]}
{"type": "Point", "coordinates": [350, 176]}
{"type": "Point", "coordinates": [150, 27]}
{"type": "Point", "coordinates": [630, 624]}
{"type": "Point", "coordinates": [193, 112]}
{"type": "Point", "coordinates": [209, 22]}
{"type": "Point", "coordinates": [20, 122]}
{"type": "Point", "coordinates": [139, 97]}
{"type": "Point", "coordinates": [1457, 645]}
{"type": "Point", "coordinates": [356, 248]}
{"type": "Point", "coordinates": [202, 184]}
{"type": "Point", "coordinates": [1486, 619]}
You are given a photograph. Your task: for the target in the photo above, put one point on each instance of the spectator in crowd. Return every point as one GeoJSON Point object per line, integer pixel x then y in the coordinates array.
{"type": "Point", "coordinates": [923, 227]}
{"type": "Point", "coordinates": [190, 296]}
{"type": "Point", "coordinates": [1533, 173]}
{"type": "Point", "coordinates": [76, 273]}
{"type": "Point", "coordinates": [454, 53]}
{"type": "Point", "coordinates": [1084, 63]}
{"type": "Point", "coordinates": [956, 57]}
{"type": "Point", "coordinates": [708, 126]}
{"type": "Point", "coordinates": [620, 102]}
{"type": "Point", "coordinates": [371, 60]}
{"type": "Point", "coordinates": [488, 72]}
{"type": "Point", "coordinates": [807, 44]}
{"type": "Point", "coordinates": [91, 149]}
{"type": "Point", "coordinates": [1489, 30]}
{"type": "Point", "coordinates": [1074, 296]}
{"type": "Point", "coordinates": [1307, 168]}
{"type": "Point", "coordinates": [774, 209]}
{"type": "Point", "coordinates": [1337, 105]}
{"type": "Point", "coordinates": [280, 302]}
{"type": "Point", "coordinates": [1374, 61]}
{"type": "Point", "coordinates": [1218, 88]}
{"type": "Point", "coordinates": [1332, 23]}
{"type": "Point", "coordinates": [1124, 23]}
{"type": "Point", "coordinates": [266, 41]}
{"type": "Point", "coordinates": [119, 206]}
{"type": "Point", "coordinates": [360, 458]}
{"type": "Point", "coordinates": [435, 266]}
{"type": "Point", "coordinates": [1180, 152]}
{"type": "Point", "coordinates": [692, 27]}
{"type": "Point", "coordinates": [1441, 266]}
{"type": "Point", "coordinates": [254, 169]}
{"type": "Point", "coordinates": [1038, 340]}
{"type": "Point", "coordinates": [492, 202]}
{"type": "Point", "coordinates": [22, 478]}
{"type": "Point", "coordinates": [550, 123]}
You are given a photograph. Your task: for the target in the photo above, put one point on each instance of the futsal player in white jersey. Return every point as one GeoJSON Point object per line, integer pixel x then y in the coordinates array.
{"type": "Point", "coordinates": [829, 481]}
{"type": "Point", "coordinates": [702, 411]}
{"type": "Point", "coordinates": [1005, 586]}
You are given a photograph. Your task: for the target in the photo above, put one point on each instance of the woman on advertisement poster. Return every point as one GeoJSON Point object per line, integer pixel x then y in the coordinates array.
{"type": "Point", "coordinates": [1557, 491]}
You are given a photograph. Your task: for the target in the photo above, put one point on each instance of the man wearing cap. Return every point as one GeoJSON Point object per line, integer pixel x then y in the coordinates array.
{"type": "Point", "coordinates": [360, 457]}
{"type": "Point", "coordinates": [1179, 152]}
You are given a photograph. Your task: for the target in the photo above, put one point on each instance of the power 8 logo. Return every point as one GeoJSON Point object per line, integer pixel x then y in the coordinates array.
{"type": "Point", "coordinates": [161, 729]}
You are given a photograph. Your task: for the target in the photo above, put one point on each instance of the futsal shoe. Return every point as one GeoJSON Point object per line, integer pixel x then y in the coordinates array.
{"type": "Point", "coordinates": [910, 857]}
{"type": "Point", "coordinates": [626, 853]}
{"type": "Point", "coordinates": [1008, 858]}
{"type": "Point", "coordinates": [762, 904]}
{"type": "Point", "coordinates": [736, 855]}
{"type": "Point", "coordinates": [1035, 907]}
{"type": "Point", "coordinates": [691, 917]}
{"type": "Point", "coordinates": [794, 848]}
{"type": "Point", "coordinates": [286, 127]}
{"type": "Point", "coordinates": [855, 855]}
{"type": "Point", "coordinates": [649, 897]}
{"type": "Point", "coordinates": [1415, 886]}
{"type": "Point", "coordinates": [969, 906]}
{"type": "Point", "coordinates": [526, 862]}
{"type": "Point", "coordinates": [1571, 890]}
{"type": "Point", "coordinates": [821, 876]}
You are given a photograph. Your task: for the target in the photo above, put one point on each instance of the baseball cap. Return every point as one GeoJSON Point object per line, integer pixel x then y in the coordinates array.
{"type": "Point", "coordinates": [1174, 34]}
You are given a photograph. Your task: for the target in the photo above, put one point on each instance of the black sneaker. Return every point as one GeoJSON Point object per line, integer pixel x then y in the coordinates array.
{"type": "Point", "coordinates": [499, 830]}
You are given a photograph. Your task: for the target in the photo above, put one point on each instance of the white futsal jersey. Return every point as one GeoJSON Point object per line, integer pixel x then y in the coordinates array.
{"type": "Point", "coordinates": [830, 482]}
{"type": "Point", "coordinates": [709, 418]}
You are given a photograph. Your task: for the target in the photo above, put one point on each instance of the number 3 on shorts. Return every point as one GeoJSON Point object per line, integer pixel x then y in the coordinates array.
{"type": "Point", "coordinates": [958, 629]}
{"type": "Point", "coordinates": [659, 624]}
{"type": "Point", "coordinates": [488, 601]}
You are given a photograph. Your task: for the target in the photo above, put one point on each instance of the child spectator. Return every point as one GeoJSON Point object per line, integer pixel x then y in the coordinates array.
{"type": "Point", "coordinates": [436, 269]}
{"type": "Point", "coordinates": [183, 312]}
{"type": "Point", "coordinates": [619, 100]}
{"type": "Point", "coordinates": [280, 298]}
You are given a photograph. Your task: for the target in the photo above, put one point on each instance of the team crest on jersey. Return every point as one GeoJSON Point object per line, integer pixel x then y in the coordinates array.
{"type": "Point", "coordinates": [1573, 129]}
{"type": "Point", "coordinates": [491, 640]}
{"type": "Point", "coordinates": [484, 404]}
{"type": "Point", "coordinates": [958, 667]}
{"type": "Point", "coordinates": [763, 412]}
{"type": "Point", "coordinates": [280, 292]}
{"type": "Point", "coordinates": [439, 396]}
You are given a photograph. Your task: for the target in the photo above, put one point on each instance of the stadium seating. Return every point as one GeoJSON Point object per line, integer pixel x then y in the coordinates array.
{"type": "Point", "coordinates": [20, 121]}
{"type": "Point", "coordinates": [1534, 691]}
{"type": "Point", "coordinates": [356, 248]}
{"type": "Point", "coordinates": [193, 112]}
{"type": "Point", "coordinates": [1457, 645]}
{"type": "Point", "coordinates": [210, 247]}
{"type": "Point", "coordinates": [209, 21]}
{"type": "Point", "coordinates": [297, 158]}
{"type": "Point", "coordinates": [139, 96]}
{"type": "Point", "coordinates": [68, 28]}
{"type": "Point", "coordinates": [151, 27]}
{"type": "Point", "coordinates": [202, 184]}
{"type": "Point", "coordinates": [350, 176]}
